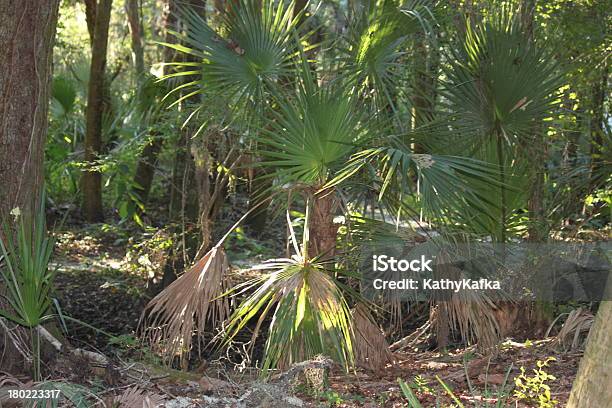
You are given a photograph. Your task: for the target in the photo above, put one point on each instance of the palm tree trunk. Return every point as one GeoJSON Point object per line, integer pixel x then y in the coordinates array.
{"type": "Point", "coordinates": [592, 385]}
{"type": "Point", "coordinates": [92, 180]}
{"type": "Point", "coordinates": [322, 230]}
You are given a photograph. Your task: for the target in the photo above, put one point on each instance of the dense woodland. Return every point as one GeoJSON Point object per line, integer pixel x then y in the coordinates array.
{"type": "Point", "coordinates": [191, 192]}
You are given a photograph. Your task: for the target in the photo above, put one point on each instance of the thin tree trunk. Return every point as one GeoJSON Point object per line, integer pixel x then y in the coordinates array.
{"type": "Point", "coordinates": [427, 64]}
{"type": "Point", "coordinates": [322, 230]}
{"type": "Point", "coordinates": [91, 179]}
{"type": "Point", "coordinates": [27, 32]}
{"type": "Point", "coordinates": [592, 384]}
{"type": "Point", "coordinates": [597, 129]}
{"type": "Point", "coordinates": [132, 10]}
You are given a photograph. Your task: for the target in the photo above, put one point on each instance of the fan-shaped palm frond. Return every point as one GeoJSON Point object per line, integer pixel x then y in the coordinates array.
{"type": "Point", "coordinates": [312, 133]}
{"type": "Point", "coordinates": [444, 185]}
{"type": "Point", "coordinates": [255, 46]}
{"type": "Point", "coordinates": [311, 315]}
{"type": "Point", "coordinates": [499, 81]}
{"type": "Point", "coordinates": [63, 97]}
{"type": "Point", "coordinates": [371, 57]}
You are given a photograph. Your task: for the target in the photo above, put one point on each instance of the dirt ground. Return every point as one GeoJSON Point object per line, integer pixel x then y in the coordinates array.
{"type": "Point", "coordinates": [95, 284]}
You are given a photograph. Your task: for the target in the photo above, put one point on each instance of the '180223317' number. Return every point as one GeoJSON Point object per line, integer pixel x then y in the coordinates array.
{"type": "Point", "coordinates": [34, 394]}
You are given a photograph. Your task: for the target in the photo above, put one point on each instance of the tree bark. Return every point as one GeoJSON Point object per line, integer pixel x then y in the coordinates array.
{"type": "Point", "coordinates": [592, 385]}
{"type": "Point", "coordinates": [92, 180]}
{"type": "Point", "coordinates": [322, 230]}
{"type": "Point", "coordinates": [136, 31]}
{"type": "Point", "coordinates": [27, 33]}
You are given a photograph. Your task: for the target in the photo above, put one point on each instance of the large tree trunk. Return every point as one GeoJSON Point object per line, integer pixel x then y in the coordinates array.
{"type": "Point", "coordinates": [592, 385]}
{"type": "Point", "coordinates": [91, 179]}
{"type": "Point", "coordinates": [27, 32]}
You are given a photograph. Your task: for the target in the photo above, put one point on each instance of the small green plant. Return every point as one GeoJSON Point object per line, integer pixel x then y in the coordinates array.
{"type": "Point", "coordinates": [25, 252]}
{"type": "Point", "coordinates": [421, 384]}
{"type": "Point", "coordinates": [534, 389]}
{"type": "Point", "coordinates": [413, 402]}
{"type": "Point", "coordinates": [332, 398]}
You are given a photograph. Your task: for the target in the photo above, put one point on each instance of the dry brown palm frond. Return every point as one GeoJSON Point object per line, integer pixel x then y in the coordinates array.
{"type": "Point", "coordinates": [170, 319]}
{"type": "Point", "coordinates": [135, 397]}
{"type": "Point", "coordinates": [182, 309]}
{"type": "Point", "coordinates": [470, 313]}
{"type": "Point", "coordinates": [472, 316]}
{"type": "Point", "coordinates": [370, 345]}
{"type": "Point", "coordinates": [574, 331]}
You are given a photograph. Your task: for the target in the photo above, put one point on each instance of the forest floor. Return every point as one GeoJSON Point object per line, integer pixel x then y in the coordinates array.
{"type": "Point", "coordinates": [101, 281]}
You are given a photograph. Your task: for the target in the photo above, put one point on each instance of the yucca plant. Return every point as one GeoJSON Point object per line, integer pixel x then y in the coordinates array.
{"type": "Point", "coordinates": [24, 267]}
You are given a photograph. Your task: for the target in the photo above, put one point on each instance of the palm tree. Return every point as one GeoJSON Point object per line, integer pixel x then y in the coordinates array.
{"type": "Point", "coordinates": [332, 129]}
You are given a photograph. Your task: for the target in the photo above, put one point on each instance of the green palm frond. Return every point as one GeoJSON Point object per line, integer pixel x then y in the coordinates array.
{"type": "Point", "coordinates": [255, 46]}
{"type": "Point", "coordinates": [500, 81]}
{"type": "Point", "coordinates": [371, 57]}
{"type": "Point", "coordinates": [446, 186]}
{"type": "Point", "coordinates": [63, 97]}
{"type": "Point", "coordinates": [24, 268]}
{"type": "Point", "coordinates": [313, 132]}
{"type": "Point", "coordinates": [310, 313]}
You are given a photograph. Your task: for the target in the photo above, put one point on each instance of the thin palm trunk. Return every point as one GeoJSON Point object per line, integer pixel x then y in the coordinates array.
{"type": "Point", "coordinates": [322, 230]}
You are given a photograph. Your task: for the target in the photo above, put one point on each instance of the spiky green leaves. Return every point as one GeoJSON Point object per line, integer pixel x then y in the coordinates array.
{"type": "Point", "coordinates": [500, 81]}
{"type": "Point", "coordinates": [25, 252]}
{"type": "Point", "coordinates": [311, 315]}
{"type": "Point", "coordinates": [254, 47]}
{"type": "Point", "coordinates": [313, 133]}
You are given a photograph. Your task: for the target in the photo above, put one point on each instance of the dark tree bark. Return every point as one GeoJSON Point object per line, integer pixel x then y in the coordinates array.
{"type": "Point", "coordinates": [27, 32]}
{"type": "Point", "coordinates": [136, 31]}
{"type": "Point", "coordinates": [92, 180]}
{"type": "Point", "coordinates": [90, 18]}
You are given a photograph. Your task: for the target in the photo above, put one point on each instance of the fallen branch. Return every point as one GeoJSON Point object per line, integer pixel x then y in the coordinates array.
{"type": "Point", "coordinates": [410, 339]}
{"type": "Point", "coordinates": [90, 355]}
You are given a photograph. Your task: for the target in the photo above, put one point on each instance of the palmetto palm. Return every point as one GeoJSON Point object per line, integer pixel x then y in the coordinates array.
{"type": "Point", "coordinates": [500, 87]}
{"type": "Point", "coordinates": [254, 47]}
{"type": "Point", "coordinates": [318, 131]}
